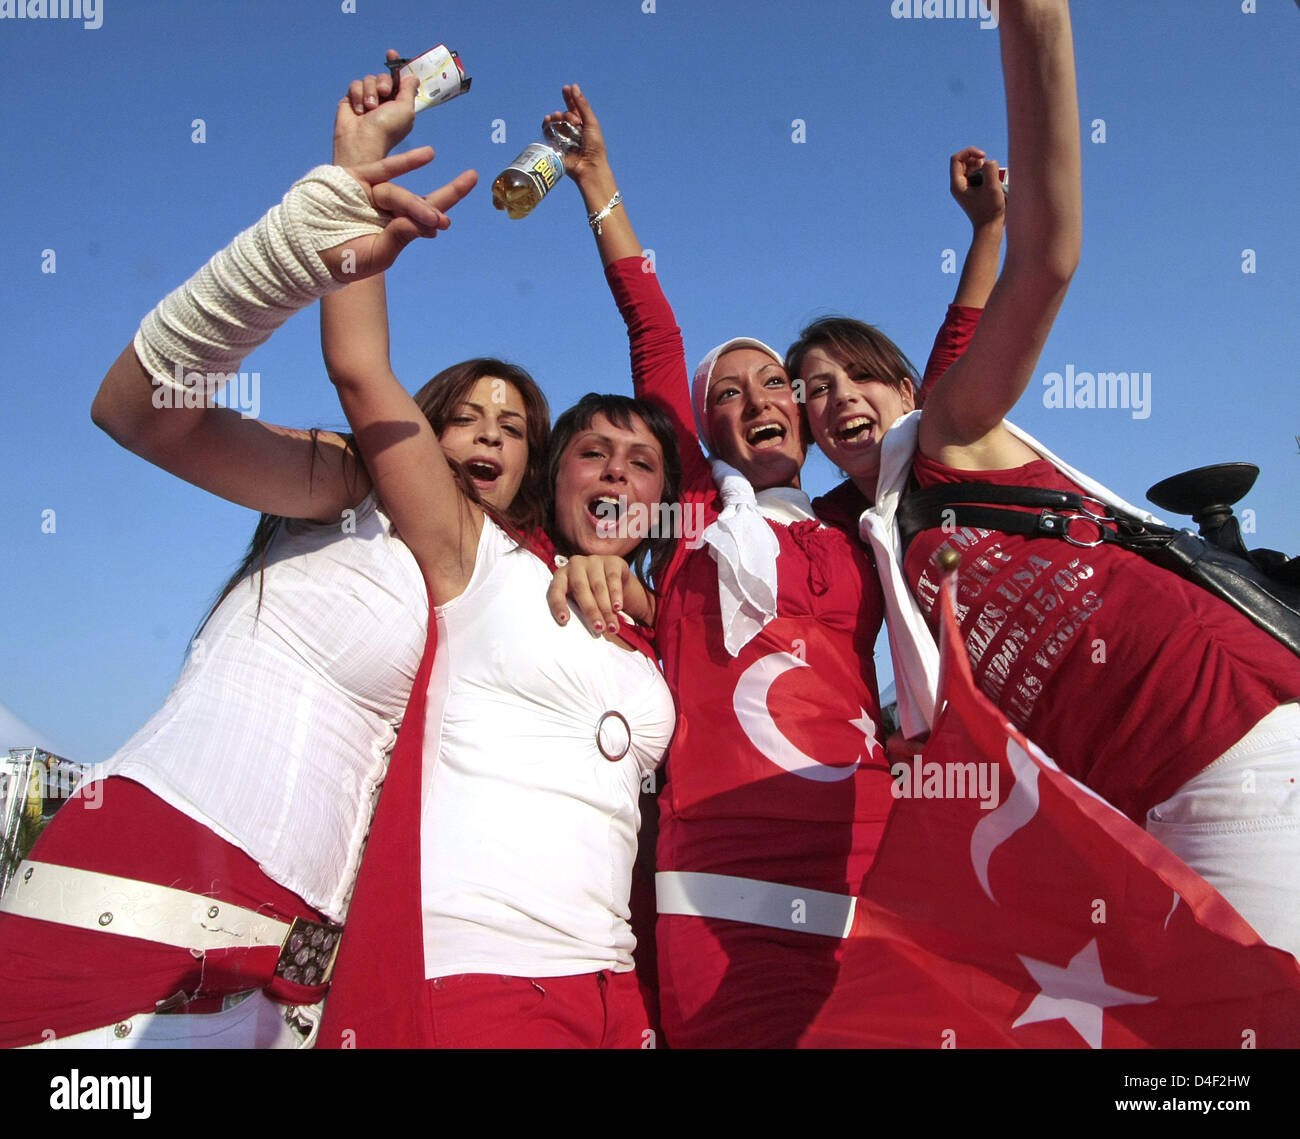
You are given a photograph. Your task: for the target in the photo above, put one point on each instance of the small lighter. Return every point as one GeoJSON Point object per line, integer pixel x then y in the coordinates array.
{"type": "Point", "coordinates": [440, 73]}
{"type": "Point", "coordinates": [1004, 176]}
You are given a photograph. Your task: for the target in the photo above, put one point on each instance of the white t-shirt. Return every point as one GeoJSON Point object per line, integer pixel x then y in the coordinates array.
{"type": "Point", "coordinates": [528, 830]}
{"type": "Point", "coordinates": [279, 728]}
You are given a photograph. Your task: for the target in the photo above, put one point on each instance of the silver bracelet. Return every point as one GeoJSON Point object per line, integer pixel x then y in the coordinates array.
{"type": "Point", "coordinates": [595, 219]}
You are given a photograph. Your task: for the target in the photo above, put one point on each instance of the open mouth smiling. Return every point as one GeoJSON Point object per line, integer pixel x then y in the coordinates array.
{"type": "Point", "coordinates": [483, 471]}
{"type": "Point", "coordinates": [605, 510]}
{"type": "Point", "coordinates": [765, 436]}
{"type": "Point", "coordinates": [859, 429]}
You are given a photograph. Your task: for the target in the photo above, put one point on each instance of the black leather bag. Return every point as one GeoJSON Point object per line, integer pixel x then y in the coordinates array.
{"type": "Point", "coordinates": [1265, 586]}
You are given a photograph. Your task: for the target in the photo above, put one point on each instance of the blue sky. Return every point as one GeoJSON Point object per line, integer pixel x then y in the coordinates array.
{"type": "Point", "coordinates": [754, 233]}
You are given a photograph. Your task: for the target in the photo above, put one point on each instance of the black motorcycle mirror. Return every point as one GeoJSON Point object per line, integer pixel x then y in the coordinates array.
{"type": "Point", "coordinates": [1207, 494]}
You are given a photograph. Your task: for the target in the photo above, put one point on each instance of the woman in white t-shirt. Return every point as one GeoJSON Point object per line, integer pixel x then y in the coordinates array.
{"type": "Point", "coordinates": [537, 740]}
{"type": "Point", "coordinates": [173, 880]}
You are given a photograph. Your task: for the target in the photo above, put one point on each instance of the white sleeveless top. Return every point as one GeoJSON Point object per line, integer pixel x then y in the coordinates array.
{"type": "Point", "coordinates": [528, 831]}
{"type": "Point", "coordinates": [277, 733]}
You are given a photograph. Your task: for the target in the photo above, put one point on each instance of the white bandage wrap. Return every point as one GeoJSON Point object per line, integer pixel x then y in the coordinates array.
{"type": "Point", "coordinates": [256, 283]}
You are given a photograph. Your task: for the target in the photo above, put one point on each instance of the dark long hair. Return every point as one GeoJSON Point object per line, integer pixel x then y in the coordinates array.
{"type": "Point", "coordinates": [657, 551]}
{"type": "Point", "coordinates": [438, 399]}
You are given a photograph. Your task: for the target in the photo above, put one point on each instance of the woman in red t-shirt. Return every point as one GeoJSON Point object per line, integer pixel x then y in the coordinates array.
{"type": "Point", "coordinates": [778, 787]}
{"type": "Point", "coordinates": [1139, 684]}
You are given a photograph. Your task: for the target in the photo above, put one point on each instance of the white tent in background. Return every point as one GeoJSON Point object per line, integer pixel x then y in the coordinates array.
{"type": "Point", "coordinates": [15, 732]}
{"type": "Point", "coordinates": [29, 765]}
{"type": "Point", "coordinates": [888, 695]}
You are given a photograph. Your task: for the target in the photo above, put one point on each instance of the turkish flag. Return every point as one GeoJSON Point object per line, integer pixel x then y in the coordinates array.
{"type": "Point", "coordinates": [375, 998]}
{"type": "Point", "coordinates": [1009, 906]}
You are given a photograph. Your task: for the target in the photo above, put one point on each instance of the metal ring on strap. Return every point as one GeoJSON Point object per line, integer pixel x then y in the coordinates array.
{"type": "Point", "coordinates": [1087, 520]}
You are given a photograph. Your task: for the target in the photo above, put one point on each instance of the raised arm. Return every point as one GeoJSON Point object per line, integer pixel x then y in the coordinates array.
{"type": "Point", "coordinates": [984, 203]}
{"type": "Point", "coordinates": [417, 486]}
{"type": "Point", "coordinates": [962, 422]}
{"type": "Point", "coordinates": [974, 184]}
{"type": "Point", "coordinates": [411, 473]}
{"type": "Point", "coordinates": [589, 168]}
{"type": "Point", "coordinates": [157, 398]}
{"type": "Point", "coordinates": [276, 470]}
{"type": "Point", "coordinates": [658, 357]}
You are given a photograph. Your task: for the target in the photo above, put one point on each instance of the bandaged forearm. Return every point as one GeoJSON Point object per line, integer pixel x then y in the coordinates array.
{"type": "Point", "coordinates": [269, 272]}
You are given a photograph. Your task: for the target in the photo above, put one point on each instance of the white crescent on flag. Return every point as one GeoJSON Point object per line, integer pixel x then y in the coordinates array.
{"type": "Point", "coordinates": [1016, 811]}
{"type": "Point", "coordinates": [750, 703]}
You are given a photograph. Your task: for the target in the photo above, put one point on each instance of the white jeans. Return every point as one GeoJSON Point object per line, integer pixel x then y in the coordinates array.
{"type": "Point", "coordinates": [1237, 824]}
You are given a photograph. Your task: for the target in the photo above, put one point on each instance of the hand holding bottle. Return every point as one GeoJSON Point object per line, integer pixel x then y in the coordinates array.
{"type": "Point", "coordinates": [537, 170]}
{"type": "Point", "coordinates": [589, 158]}
{"type": "Point", "coordinates": [576, 146]}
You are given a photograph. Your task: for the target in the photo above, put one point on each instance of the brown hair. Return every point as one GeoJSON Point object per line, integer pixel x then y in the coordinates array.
{"type": "Point", "coordinates": [858, 343]}
{"type": "Point", "coordinates": [437, 400]}
{"type": "Point", "coordinates": [440, 397]}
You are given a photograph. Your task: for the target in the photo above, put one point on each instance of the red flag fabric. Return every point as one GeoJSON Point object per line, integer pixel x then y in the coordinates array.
{"type": "Point", "coordinates": [1010, 907]}
{"type": "Point", "coordinates": [376, 995]}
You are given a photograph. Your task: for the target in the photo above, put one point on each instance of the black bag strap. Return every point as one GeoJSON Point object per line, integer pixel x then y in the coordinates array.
{"type": "Point", "coordinates": [945, 494]}
{"type": "Point", "coordinates": [1271, 602]}
{"type": "Point", "coordinates": [954, 504]}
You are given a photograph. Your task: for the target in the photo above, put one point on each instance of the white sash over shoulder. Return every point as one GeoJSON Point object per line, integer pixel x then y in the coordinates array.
{"type": "Point", "coordinates": [743, 545]}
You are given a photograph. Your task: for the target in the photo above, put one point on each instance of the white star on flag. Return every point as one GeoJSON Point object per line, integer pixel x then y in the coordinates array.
{"type": "Point", "coordinates": [867, 727]}
{"type": "Point", "coordinates": [1078, 993]}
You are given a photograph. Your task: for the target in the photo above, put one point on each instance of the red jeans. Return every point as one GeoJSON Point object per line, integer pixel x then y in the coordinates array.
{"type": "Point", "coordinates": [590, 1010]}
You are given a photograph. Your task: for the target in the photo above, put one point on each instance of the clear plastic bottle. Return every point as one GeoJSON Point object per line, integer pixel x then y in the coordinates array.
{"type": "Point", "coordinates": [530, 177]}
